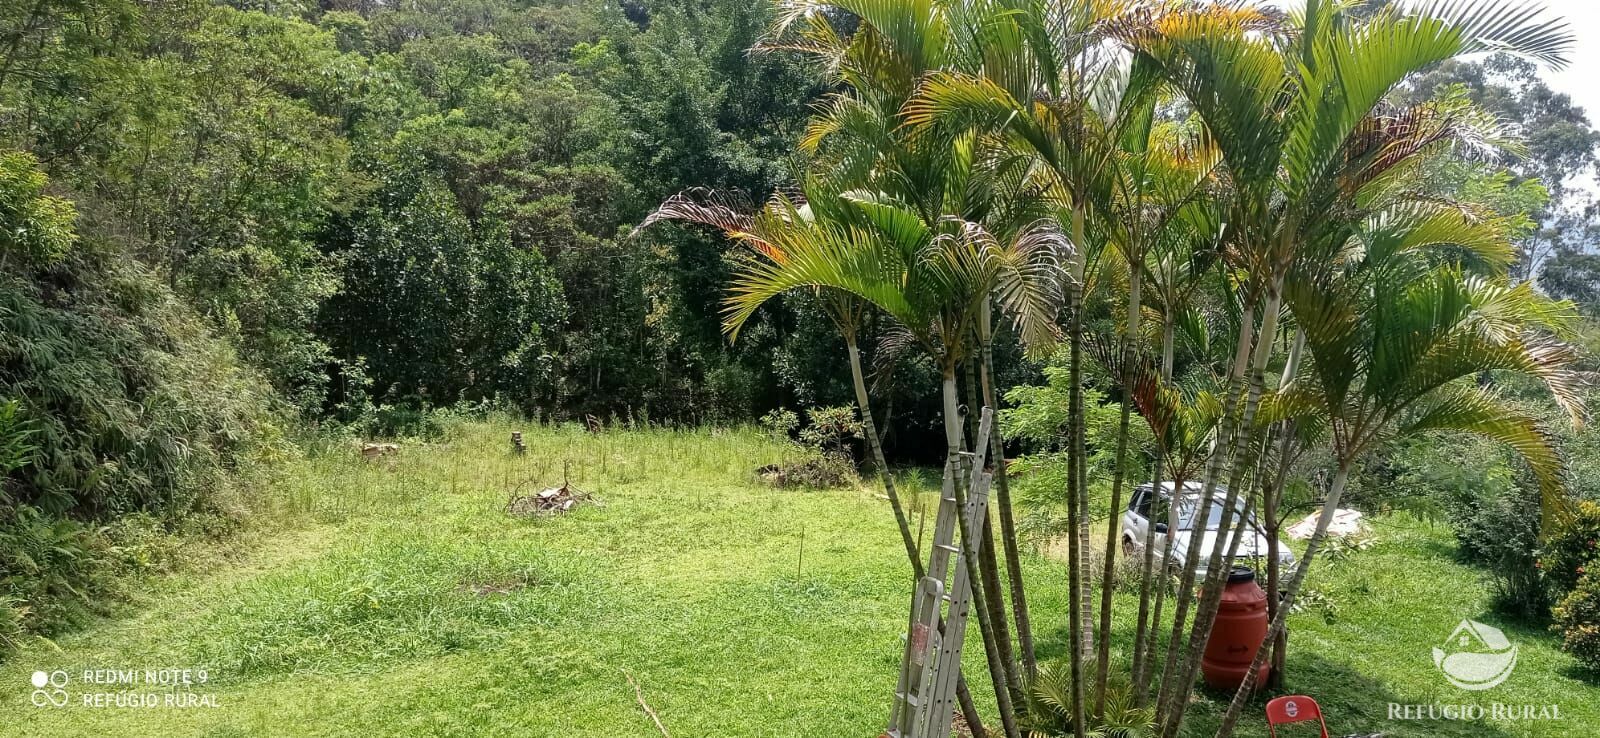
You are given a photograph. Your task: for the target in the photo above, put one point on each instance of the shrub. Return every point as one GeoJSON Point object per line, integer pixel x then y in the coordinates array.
{"type": "Point", "coordinates": [1577, 618]}
{"type": "Point", "coordinates": [832, 430]}
{"type": "Point", "coordinates": [53, 571]}
{"type": "Point", "coordinates": [402, 420]}
{"type": "Point", "coordinates": [825, 458]}
{"type": "Point", "coordinates": [779, 423]}
{"type": "Point", "coordinates": [114, 400]}
{"type": "Point", "coordinates": [1572, 551]}
{"type": "Point", "coordinates": [1495, 513]}
{"type": "Point", "coordinates": [1046, 710]}
{"type": "Point", "coordinates": [12, 614]}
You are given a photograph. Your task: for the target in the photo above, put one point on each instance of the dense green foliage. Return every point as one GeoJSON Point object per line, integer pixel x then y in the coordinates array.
{"type": "Point", "coordinates": [116, 400]}
{"type": "Point", "coordinates": [1578, 620]}
{"type": "Point", "coordinates": [363, 211]}
{"type": "Point", "coordinates": [429, 202]}
{"type": "Point", "coordinates": [1571, 553]}
{"type": "Point", "coordinates": [353, 212]}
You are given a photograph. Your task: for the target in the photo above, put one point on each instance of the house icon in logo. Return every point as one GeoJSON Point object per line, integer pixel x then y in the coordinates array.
{"type": "Point", "coordinates": [1476, 656]}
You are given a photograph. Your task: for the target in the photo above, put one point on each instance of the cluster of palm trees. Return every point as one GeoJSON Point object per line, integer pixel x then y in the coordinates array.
{"type": "Point", "coordinates": [1243, 181]}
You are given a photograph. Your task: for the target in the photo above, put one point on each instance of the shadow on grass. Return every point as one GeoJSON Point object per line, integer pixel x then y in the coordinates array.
{"type": "Point", "coordinates": [1352, 702]}
{"type": "Point", "coordinates": [1580, 673]}
{"type": "Point", "coordinates": [1443, 549]}
{"type": "Point", "coordinates": [1522, 630]}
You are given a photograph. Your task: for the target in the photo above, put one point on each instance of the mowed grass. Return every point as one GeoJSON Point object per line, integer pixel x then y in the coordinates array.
{"type": "Point", "coordinates": [397, 598]}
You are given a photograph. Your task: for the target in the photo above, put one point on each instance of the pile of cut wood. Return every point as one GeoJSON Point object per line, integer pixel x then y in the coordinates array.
{"type": "Point", "coordinates": [550, 501]}
{"type": "Point", "coordinates": [370, 451]}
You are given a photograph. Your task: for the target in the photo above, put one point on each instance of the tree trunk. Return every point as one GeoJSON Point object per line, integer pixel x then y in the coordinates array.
{"type": "Point", "coordinates": [875, 447]}
{"type": "Point", "coordinates": [1146, 578]}
{"type": "Point", "coordinates": [1075, 583]}
{"type": "Point", "coordinates": [1008, 525]}
{"type": "Point", "coordinates": [1243, 446]}
{"type": "Point", "coordinates": [1085, 561]}
{"type": "Point", "coordinates": [1173, 691]}
{"type": "Point", "coordinates": [1231, 718]}
{"type": "Point", "coordinates": [1130, 350]}
{"type": "Point", "coordinates": [1144, 635]}
{"type": "Point", "coordinates": [1077, 533]}
{"type": "Point", "coordinates": [1271, 498]}
{"type": "Point", "coordinates": [997, 671]}
{"type": "Point", "coordinates": [869, 429]}
{"type": "Point", "coordinates": [986, 557]}
{"type": "Point", "coordinates": [969, 709]}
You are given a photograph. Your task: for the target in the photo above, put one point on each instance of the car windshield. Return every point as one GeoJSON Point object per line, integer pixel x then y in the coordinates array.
{"type": "Point", "coordinates": [1186, 513]}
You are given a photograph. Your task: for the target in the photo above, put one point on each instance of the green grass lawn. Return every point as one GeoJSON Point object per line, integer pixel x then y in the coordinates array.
{"type": "Point", "coordinates": [398, 599]}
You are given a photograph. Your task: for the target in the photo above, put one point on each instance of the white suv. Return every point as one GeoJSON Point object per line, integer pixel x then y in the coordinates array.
{"type": "Point", "coordinates": [1136, 523]}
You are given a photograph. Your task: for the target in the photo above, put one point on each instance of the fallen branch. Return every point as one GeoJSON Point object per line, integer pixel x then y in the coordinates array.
{"type": "Point", "coordinates": [638, 694]}
{"type": "Point", "coordinates": [552, 501]}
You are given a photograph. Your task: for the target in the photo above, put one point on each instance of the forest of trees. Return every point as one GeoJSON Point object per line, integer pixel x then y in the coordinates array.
{"type": "Point", "coordinates": [423, 202]}
{"type": "Point", "coordinates": [223, 222]}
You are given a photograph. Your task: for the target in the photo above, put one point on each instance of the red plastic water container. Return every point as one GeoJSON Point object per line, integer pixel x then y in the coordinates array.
{"type": "Point", "coordinates": [1237, 634]}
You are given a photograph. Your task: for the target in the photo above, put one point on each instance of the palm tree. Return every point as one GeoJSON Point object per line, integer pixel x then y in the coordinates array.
{"type": "Point", "coordinates": [763, 232]}
{"type": "Point", "coordinates": [934, 280]}
{"type": "Point", "coordinates": [859, 141]}
{"type": "Point", "coordinates": [1159, 181]}
{"type": "Point", "coordinates": [936, 91]}
{"type": "Point", "coordinates": [1045, 80]}
{"type": "Point", "coordinates": [1403, 241]}
{"type": "Point", "coordinates": [1179, 261]}
{"type": "Point", "coordinates": [1408, 365]}
{"type": "Point", "coordinates": [1298, 112]}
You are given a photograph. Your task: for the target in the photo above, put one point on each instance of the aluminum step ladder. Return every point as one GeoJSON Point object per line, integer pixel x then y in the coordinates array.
{"type": "Point", "coordinates": [925, 696]}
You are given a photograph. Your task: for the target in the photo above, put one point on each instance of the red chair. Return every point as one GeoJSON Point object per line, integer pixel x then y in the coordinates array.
{"type": "Point", "coordinates": [1294, 708]}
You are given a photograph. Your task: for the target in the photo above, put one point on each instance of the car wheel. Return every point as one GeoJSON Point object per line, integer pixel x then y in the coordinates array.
{"type": "Point", "coordinates": [1129, 548]}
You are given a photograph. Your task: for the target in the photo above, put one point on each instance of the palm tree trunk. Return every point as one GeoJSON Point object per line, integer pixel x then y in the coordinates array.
{"type": "Point", "coordinates": [1008, 525]}
{"type": "Point", "coordinates": [969, 708]}
{"type": "Point", "coordinates": [1172, 688]}
{"type": "Point", "coordinates": [1271, 497]}
{"type": "Point", "coordinates": [1146, 575]}
{"type": "Point", "coordinates": [987, 562]}
{"type": "Point", "coordinates": [870, 430]}
{"type": "Point", "coordinates": [1077, 534]}
{"type": "Point", "coordinates": [875, 447]}
{"type": "Point", "coordinates": [1075, 539]}
{"type": "Point", "coordinates": [1108, 573]}
{"type": "Point", "coordinates": [1172, 532]}
{"type": "Point", "coordinates": [1145, 632]}
{"type": "Point", "coordinates": [970, 383]}
{"type": "Point", "coordinates": [1243, 446]}
{"type": "Point", "coordinates": [997, 671]}
{"type": "Point", "coordinates": [1085, 561]}
{"type": "Point", "coordinates": [1336, 490]}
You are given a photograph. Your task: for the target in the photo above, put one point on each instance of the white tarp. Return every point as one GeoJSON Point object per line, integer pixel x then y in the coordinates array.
{"type": "Point", "coordinates": [1345, 522]}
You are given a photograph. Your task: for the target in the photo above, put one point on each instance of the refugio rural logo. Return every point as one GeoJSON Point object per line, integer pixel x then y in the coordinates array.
{"type": "Point", "coordinates": [1476, 656]}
